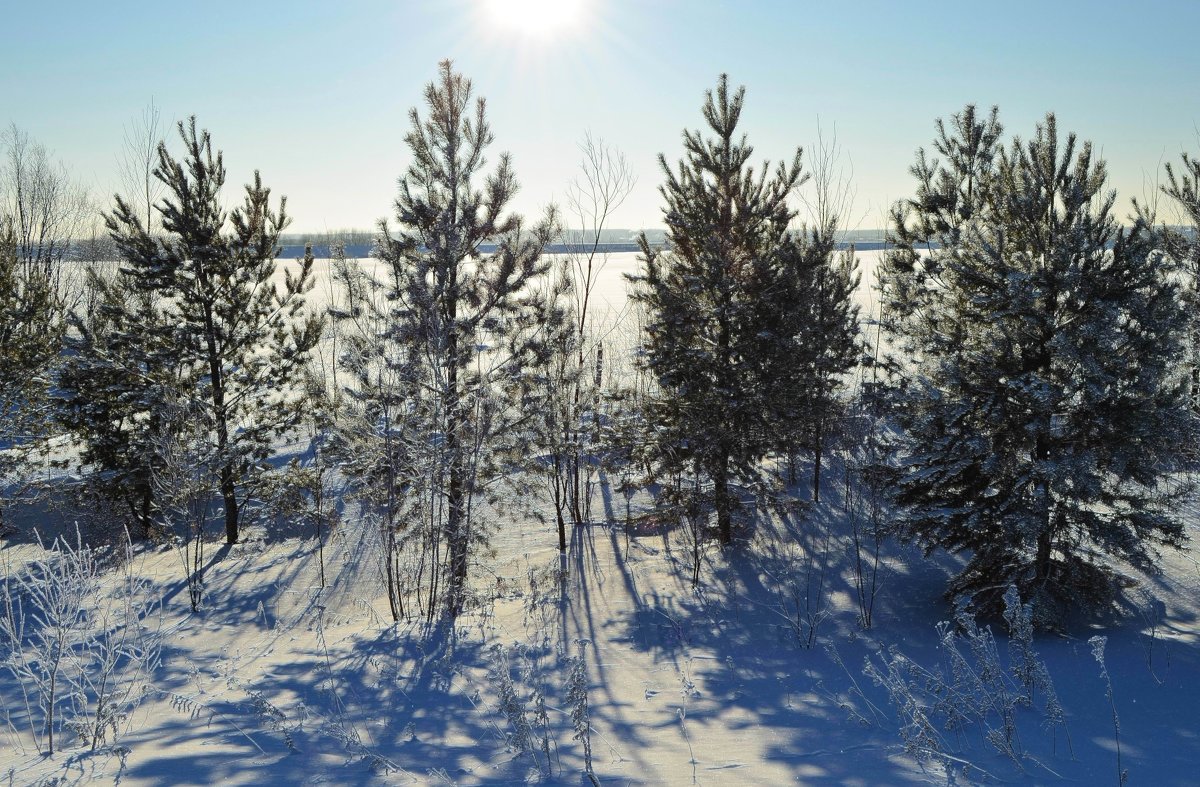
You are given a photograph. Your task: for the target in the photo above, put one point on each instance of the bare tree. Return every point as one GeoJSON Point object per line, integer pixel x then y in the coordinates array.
{"type": "Point", "coordinates": [49, 211]}
{"type": "Point", "coordinates": [137, 163]}
{"type": "Point", "coordinates": [830, 194]}
{"type": "Point", "coordinates": [604, 181]}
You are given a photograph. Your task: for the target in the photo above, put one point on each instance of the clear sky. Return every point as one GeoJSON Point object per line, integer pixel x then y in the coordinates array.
{"type": "Point", "coordinates": [316, 94]}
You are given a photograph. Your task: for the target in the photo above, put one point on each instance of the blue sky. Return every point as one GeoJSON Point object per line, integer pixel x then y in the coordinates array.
{"type": "Point", "coordinates": [315, 95]}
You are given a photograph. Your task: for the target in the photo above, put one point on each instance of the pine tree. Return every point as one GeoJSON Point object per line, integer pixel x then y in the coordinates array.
{"type": "Point", "coordinates": [209, 309]}
{"type": "Point", "coordinates": [120, 389]}
{"type": "Point", "coordinates": [715, 341]}
{"type": "Point", "coordinates": [1183, 244]}
{"type": "Point", "coordinates": [464, 330]}
{"type": "Point", "coordinates": [1037, 347]}
{"type": "Point", "coordinates": [31, 330]}
{"type": "Point", "coordinates": [119, 382]}
{"type": "Point", "coordinates": [814, 307]}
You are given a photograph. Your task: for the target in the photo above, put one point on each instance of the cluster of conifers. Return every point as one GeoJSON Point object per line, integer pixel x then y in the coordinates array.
{"type": "Point", "coordinates": [1031, 362]}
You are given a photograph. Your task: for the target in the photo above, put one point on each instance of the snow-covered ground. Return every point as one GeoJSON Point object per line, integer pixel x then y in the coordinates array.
{"type": "Point", "coordinates": [756, 677]}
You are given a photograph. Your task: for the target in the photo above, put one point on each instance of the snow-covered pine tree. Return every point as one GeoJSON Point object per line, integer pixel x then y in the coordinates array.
{"type": "Point", "coordinates": [1183, 244]}
{"type": "Point", "coordinates": [465, 328]}
{"type": "Point", "coordinates": [722, 316]}
{"type": "Point", "coordinates": [120, 388]}
{"type": "Point", "coordinates": [237, 341]}
{"type": "Point", "coordinates": [814, 307]}
{"type": "Point", "coordinates": [118, 383]}
{"type": "Point", "coordinates": [1037, 347]}
{"type": "Point", "coordinates": [562, 434]}
{"type": "Point", "coordinates": [376, 438]}
{"type": "Point", "coordinates": [31, 330]}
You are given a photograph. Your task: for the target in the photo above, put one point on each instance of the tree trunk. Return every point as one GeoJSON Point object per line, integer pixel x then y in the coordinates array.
{"type": "Point", "coordinates": [1045, 542]}
{"type": "Point", "coordinates": [575, 496]}
{"type": "Point", "coordinates": [1045, 539]}
{"type": "Point", "coordinates": [221, 418]}
{"type": "Point", "coordinates": [720, 477]}
{"type": "Point", "coordinates": [147, 508]}
{"type": "Point", "coordinates": [229, 495]}
{"type": "Point", "coordinates": [559, 503]}
{"type": "Point", "coordinates": [456, 526]}
{"type": "Point", "coordinates": [456, 537]}
{"type": "Point", "coordinates": [818, 449]}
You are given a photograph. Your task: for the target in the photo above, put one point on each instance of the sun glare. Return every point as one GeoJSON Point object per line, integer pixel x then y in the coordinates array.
{"type": "Point", "coordinates": [535, 18]}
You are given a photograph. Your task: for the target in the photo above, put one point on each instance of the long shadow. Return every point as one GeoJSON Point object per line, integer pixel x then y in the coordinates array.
{"type": "Point", "coordinates": [723, 667]}
{"type": "Point", "coordinates": [356, 706]}
{"type": "Point", "coordinates": [744, 645]}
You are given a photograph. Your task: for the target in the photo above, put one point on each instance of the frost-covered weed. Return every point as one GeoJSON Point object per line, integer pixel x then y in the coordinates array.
{"type": "Point", "coordinates": [581, 717]}
{"type": "Point", "coordinates": [80, 643]}
{"type": "Point", "coordinates": [1028, 669]}
{"type": "Point", "coordinates": [527, 729]}
{"type": "Point", "coordinates": [1098, 644]}
{"type": "Point", "coordinates": [548, 589]}
{"type": "Point", "coordinates": [970, 689]}
{"type": "Point", "coordinates": [510, 704]}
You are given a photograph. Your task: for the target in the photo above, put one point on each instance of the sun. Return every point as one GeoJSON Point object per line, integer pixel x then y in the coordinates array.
{"type": "Point", "coordinates": [537, 19]}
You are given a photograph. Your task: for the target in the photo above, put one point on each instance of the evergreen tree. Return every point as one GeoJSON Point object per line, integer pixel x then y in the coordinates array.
{"type": "Point", "coordinates": [121, 389]}
{"type": "Point", "coordinates": [1183, 244]}
{"type": "Point", "coordinates": [814, 308]}
{"type": "Point", "coordinates": [720, 338]}
{"type": "Point", "coordinates": [208, 309]}
{"type": "Point", "coordinates": [31, 330]}
{"type": "Point", "coordinates": [1036, 353]}
{"type": "Point", "coordinates": [447, 387]}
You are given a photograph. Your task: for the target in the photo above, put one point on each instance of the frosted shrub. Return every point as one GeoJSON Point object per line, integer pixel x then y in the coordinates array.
{"type": "Point", "coordinates": [513, 703]}
{"type": "Point", "coordinates": [581, 717]}
{"type": "Point", "coordinates": [80, 645]}
{"type": "Point", "coordinates": [1027, 668]}
{"type": "Point", "coordinates": [922, 740]}
{"type": "Point", "coordinates": [971, 688]}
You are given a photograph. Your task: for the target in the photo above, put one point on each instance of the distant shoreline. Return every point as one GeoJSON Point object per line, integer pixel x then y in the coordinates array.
{"type": "Point", "coordinates": [363, 250]}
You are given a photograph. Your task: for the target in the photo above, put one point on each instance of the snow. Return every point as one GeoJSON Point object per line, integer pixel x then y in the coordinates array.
{"type": "Point", "coordinates": [277, 681]}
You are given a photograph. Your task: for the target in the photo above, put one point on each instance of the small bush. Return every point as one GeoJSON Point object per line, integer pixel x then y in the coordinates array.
{"type": "Point", "coordinates": [81, 645]}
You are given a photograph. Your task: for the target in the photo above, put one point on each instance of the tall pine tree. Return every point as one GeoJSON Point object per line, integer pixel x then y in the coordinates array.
{"type": "Point", "coordinates": [731, 309]}
{"type": "Point", "coordinates": [210, 332]}
{"type": "Point", "coordinates": [1183, 244]}
{"type": "Point", "coordinates": [448, 387]}
{"type": "Point", "coordinates": [813, 306]}
{"type": "Point", "coordinates": [1037, 355]}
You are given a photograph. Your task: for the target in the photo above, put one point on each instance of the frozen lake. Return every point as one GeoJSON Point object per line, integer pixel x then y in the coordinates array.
{"type": "Point", "coordinates": [610, 295]}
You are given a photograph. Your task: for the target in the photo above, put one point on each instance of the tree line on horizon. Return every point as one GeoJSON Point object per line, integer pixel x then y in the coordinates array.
{"type": "Point", "coordinates": [1034, 368]}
